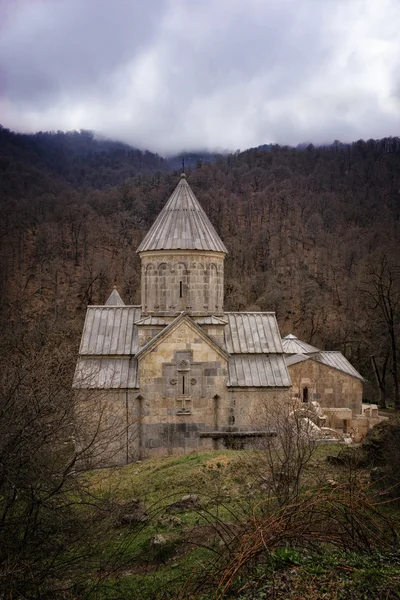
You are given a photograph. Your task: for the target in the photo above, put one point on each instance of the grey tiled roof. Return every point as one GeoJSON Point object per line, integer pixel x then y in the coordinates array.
{"type": "Point", "coordinates": [258, 371]}
{"type": "Point", "coordinates": [333, 359]}
{"type": "Point", "coordinates": [293, 359]}
{"type": "Point", "coordinates": [252, 333]}
{"type": "Point", "coordinates": [110, 340]}
{"type": "Point", "coordinates": [115, 299]}
{"type": "Point", "coordinates": [292, 345]}
{"type": "Point", "coordinates": [182, 225]}
{"type": "Point", "coordinates": [105, 373]}
{"type": "Point", "coordinates": [337, 361]}
{"type": "Point", "coordinates": [110, 330]}
{"type": "Point", "coordinates": [151, 320]}
{"type": "Point", "coordinates": [209, 320]}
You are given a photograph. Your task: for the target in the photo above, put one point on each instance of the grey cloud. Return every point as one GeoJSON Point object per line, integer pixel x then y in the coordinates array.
{"type": "Point", "coordinates": [173, 74]}
{"type": "Point", "coordinates": [70, 47]}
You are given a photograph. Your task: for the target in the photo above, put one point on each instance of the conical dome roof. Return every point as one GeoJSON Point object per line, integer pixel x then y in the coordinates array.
{"type": "Point", "coordinates": [182, 225]}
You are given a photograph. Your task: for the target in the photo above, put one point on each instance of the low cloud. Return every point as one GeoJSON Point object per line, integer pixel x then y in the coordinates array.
{"type": "Point", "coordinates": [173, 75]}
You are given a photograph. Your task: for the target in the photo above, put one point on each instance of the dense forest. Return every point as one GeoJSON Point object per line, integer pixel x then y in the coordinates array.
{"type": "Point", "coordinates": [312, 234]}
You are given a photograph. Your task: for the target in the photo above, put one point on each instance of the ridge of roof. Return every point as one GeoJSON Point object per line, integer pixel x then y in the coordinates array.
{"type": "Point", "coordinates": [249, 312]}
{"type": "Point", "coordinates": [109, 307]}
{"type": "Point", "coordinates": [210, 320]}
{"type": "Point", "coordinates": [152, 320]}
{"type": "Point", "coordinates": [182, 225]}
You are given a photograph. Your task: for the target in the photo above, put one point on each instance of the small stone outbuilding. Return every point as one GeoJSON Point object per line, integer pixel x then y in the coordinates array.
{"type": "Point", "coordinates": [326, 377]}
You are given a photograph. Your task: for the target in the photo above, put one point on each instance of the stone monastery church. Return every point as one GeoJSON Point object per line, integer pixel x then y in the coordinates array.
{"type": "Point", "coordinates": [178, 373]}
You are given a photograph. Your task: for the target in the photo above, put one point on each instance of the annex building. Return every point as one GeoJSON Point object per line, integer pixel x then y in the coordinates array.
{"type": "Point", "coordinates": [178, 373]}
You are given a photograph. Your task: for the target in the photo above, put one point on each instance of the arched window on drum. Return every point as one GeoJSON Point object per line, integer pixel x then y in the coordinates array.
{"type": "Point", "coordinates": [150, 287]}
{"type": "Point", "coordinates": [163, 286]}
{"type": "Point", "coordinates": [180, 291]}
{"type": "Point", "coordinates": [213, 289]}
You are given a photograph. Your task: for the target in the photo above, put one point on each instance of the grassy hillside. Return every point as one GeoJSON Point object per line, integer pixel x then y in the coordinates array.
{"type": "Point", "coordinates": [185, 548]}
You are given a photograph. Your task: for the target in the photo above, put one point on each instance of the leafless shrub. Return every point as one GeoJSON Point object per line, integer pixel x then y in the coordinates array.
{"type": "Point", "coordinates": [286, 448]}
{"type": "Point", "coordinates": [45, 534]}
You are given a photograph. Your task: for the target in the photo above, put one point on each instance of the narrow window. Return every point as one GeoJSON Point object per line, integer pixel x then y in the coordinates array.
{"type": "Point", "coordinates": [183, 385]}
{"type": "Point", "coordinates": [180, 290]}
{"type": "Point", "coordinates": [305, 394]}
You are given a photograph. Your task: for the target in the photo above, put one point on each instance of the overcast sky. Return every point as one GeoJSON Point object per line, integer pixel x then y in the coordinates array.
{"type": "Point", "coordinates": [169, 75]}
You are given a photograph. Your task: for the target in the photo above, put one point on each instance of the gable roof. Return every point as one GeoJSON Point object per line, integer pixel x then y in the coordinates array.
{"type": "Point", "coordinates": [182, 225]}
{"type": "Point", "coordinates": [114, 298]}
{"type": "Point", "coordinates": [332, 359]}
{"type": "Point", "coordinates": [105, 373]}
{"type": "Point", "coordinates": [336, 360]}
{"type": "Point", "coordinates": [293, 359]}
{"type": "Point", "coordinates": [110, 330]}
{"type": "Point", "coordinates": [252, 333]}
{"type": "Point", "coordinates": [173, 325]}
{"type": "Point", "coordinates": [292, 345]}
{"type": "Point", "coordinates": [258, 370]}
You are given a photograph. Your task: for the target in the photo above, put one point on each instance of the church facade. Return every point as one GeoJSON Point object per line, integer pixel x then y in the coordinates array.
{"type": "Point", "coordinates": [177, 373]}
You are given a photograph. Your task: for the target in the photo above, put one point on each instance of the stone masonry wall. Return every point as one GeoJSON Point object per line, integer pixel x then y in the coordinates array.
{"type": "Point", "coordinates": [183, 384]}
{"type": "Point", "coordinates": [249, 405]}
{"type": "Point", "coordinates": [107, 428]}
{"type": "Point", "coordinates": [330, 387]}
{"type": "Point", "coordinates": [175, 281]}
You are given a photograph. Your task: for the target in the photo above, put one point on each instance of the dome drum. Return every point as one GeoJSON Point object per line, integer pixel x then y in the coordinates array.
{"type": "Point", "coordinates": [190, 281]}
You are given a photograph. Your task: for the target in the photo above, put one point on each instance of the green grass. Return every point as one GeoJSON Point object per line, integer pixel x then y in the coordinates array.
{"type": "Point", "coordinates": [129, 566]}
{"type": "Point", "coordinates": [166, 581]}
{"type": "Point", "coordinates": [156, 479]}
{"type": "Point", "coordinates": [324, 576]}
{"type": "Point", "coordinates": [132, 567]}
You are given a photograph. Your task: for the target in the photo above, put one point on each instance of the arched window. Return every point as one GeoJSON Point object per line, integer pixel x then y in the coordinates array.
{"type": "Point", "coordinates": [163, 285]}
{"type": "Point", "coordinates": [150, 287]}
{"type": "Point", "coordinates": [181, 288]}
{"type": "Point", "coordinates": [213, 291]}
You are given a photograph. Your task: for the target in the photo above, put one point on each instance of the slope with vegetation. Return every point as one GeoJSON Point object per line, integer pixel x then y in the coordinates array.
{"type": "Point", "coordinates": [313, 234]}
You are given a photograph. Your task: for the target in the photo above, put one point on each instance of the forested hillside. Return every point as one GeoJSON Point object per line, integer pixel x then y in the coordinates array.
{"type": "Point", "coordinates": [312, 234]}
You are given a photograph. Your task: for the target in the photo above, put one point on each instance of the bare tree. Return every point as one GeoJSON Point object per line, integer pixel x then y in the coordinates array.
{"type": "Point", "coordinates": [380, 376]}
{"type": "Point", "coordinates": [382, 289]}
{"type": "Point", "coordinates": [45, 536]}
{"type": "Point", "coordinates": [286, 446]}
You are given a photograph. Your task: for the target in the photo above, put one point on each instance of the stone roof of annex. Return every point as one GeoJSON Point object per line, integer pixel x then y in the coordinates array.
{"type": "Point", "coordinates": [182, 225]}
{"type": "Point", "coordinates": [292, 345]}
{"type": "Point", "coordinates": [333, 359]}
